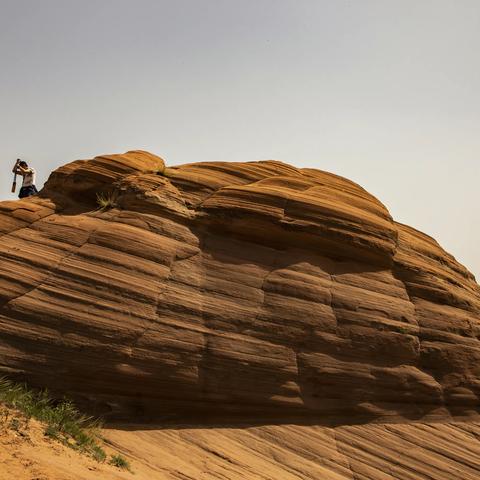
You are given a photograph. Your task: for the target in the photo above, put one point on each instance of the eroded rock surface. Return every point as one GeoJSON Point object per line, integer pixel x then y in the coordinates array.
{"type": "Point", "coordinates": [416, 451]}
{"type": "Point", "coordinates": [250, 288]}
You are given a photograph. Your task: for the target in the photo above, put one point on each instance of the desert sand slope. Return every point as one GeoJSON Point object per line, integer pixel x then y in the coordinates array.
{"type": "Point", "coordinates": [289, 452]}
{"type": "Point", "coordinates": [249, 292]}
{"type": "Point", "coordinates": [27, 454]}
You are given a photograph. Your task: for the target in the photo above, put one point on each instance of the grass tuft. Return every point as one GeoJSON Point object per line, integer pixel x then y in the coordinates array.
{"type": "Point", "coordinates": [119, 462]}
{"type": "Point", "coordinates": [63, 420]}
{"type": "Point", "coordinates": [106, 200]}
{"type": "Point", "coordinates": [98, 453]}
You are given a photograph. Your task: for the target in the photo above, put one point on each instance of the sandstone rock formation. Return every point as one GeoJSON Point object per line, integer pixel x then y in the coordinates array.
{"type": "Point", "coordinates": [414, 451]}
{"type": "Point", "coordinates": [256, 289]}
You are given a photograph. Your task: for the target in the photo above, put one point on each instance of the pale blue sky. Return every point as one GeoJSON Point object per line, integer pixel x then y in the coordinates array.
{"type": "Point", "coordinates": [384, 92]}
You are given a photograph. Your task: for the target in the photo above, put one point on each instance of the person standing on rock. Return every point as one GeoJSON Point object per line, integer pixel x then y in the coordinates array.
{"type": "Point", "coordinates": [28, 185]}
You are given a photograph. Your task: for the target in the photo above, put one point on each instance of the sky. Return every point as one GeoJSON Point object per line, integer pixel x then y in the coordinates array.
{"type": "Point", "coordinates": [384, 92]}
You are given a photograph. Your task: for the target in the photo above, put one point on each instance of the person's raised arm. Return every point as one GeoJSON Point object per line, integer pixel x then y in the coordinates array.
{"type": "Point", "coordinates": [23, 170]}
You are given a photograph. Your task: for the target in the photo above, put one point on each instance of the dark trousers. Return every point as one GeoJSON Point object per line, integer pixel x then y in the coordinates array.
{"type": "Point", "coordinates": [27, 191]}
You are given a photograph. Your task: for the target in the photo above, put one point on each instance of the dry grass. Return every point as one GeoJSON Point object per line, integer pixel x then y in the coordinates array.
{"type": "Point", "coordinates": [106, 200]}
{"type": "Point", "coordinates": [61, 419]}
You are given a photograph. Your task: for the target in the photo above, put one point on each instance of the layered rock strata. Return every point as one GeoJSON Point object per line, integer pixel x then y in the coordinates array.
{"type": "Point", "coordinates": [419, 451]}
{"type": "Point", "coordinates": [254, 288]}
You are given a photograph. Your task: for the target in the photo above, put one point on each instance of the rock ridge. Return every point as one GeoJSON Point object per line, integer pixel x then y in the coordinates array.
{"type": "Point", "coordinates": [253, 288]}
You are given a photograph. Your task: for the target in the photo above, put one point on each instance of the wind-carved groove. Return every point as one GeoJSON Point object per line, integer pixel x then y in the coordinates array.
{"type": "Point", "coordinates": [51, 272]}
{"type": "Point", "coordinates": [163, 286]}
{"type": "Point", "coordinates": [419, 336]}
{"type": "Point", "coordinates": [27, 226]}
{"type": "Point", "coordinates": [205, 355]}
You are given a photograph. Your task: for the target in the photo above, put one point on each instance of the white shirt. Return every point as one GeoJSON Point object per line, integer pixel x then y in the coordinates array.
{"type": "Point", "coordinates": [29, 178]}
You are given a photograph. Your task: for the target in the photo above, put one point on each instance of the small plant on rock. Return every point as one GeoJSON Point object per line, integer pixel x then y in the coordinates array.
{"type": "Point", "coordinates": [106, 201]}
{"type": "Point", "coordinates": [119, 462]}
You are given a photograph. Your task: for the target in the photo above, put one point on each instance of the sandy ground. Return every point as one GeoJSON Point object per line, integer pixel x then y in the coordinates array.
{"type": "Point", "coordinates": [27, 454]}
{"type": "Point", "coordinates": [420, 451]}
{"type": "Point", "coordinates": [410, 451]}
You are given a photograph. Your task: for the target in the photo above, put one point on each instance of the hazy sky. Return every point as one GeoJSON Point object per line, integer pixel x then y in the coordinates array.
{"type": "Point", "coordinates": [384, 92]}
